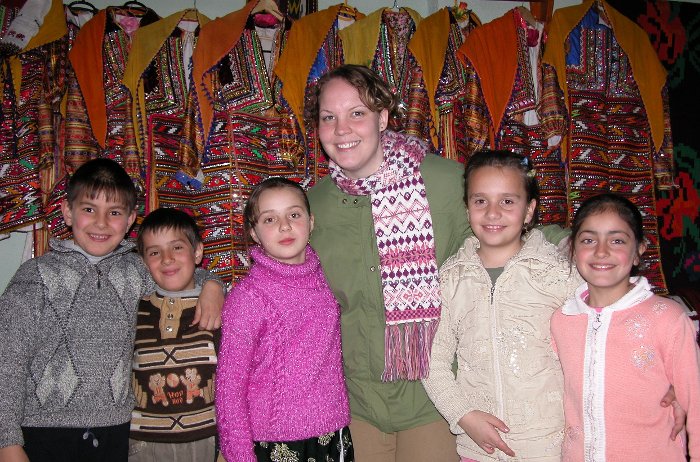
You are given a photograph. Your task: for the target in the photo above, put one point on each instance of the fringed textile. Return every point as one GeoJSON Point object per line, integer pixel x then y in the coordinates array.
{"type": "Point", "coordinates": [403, 227]}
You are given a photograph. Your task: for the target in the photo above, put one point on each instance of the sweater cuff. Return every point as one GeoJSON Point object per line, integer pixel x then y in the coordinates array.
{"type": "Point", "coordinates": [454, 414]}
{"type": "Point", "coordinates": [11, 437]}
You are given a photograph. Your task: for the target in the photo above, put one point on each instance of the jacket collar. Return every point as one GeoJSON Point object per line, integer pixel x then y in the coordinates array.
{"type": "Point", "coordinates": [640, 291]}
{"type": "Point", "coordinates": [533, 249]}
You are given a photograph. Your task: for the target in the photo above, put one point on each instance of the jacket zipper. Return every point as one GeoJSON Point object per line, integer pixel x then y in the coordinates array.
{"type": "Point", "coordinates": [590, 452]}
{"type": "Point", "coordinates": [496, 359]}
{"type": "Point", "coordinates": [99, 276]}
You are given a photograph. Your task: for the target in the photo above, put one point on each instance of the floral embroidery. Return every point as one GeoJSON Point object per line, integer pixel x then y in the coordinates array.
{"type": "Point", "coordinates": [643, 357]}
{"type": "Point", "coordinates": [572, 434]}
{"type": "Point", "coordinates": [512, 342]}
{"type": "Point", "coordinates": [659, 307]}
{"type": "Point", "coordinates": [637, 326]}
{"type": "Point", "coordinates": [282, 453]}
{"type": "Point", "coordinates": [325, 439]}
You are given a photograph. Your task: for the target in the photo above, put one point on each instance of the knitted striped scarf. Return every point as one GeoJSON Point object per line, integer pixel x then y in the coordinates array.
{"type": "Point", "coordinates": [409, 271]}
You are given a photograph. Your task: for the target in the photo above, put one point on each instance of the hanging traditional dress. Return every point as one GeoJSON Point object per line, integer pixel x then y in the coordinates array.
{"type": "Point", "coordinates": [236, 144]}
{"type": "Point", "coordinates": [34, 40]}
{"type": "Point", "coordinates": [515, 103]}
{"type": "Point", "coordinates": [70, 152]}
{"type": "Point", "coordinates": [434, 46]}
{"type": "Point", "coordinates": [99, 57]}
{"type": "Point", "coordinates": [620, 136]}
{"type": "Point", "coordinates": [312, 49]}
{"type": "Point", "coordinates": [380, 42]}
{"type": "Point", "coordinates": [158, 75]}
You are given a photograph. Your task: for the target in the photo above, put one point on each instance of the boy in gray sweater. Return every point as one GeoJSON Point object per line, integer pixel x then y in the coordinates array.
{"type": "Point", "coordinates": [67, 325]}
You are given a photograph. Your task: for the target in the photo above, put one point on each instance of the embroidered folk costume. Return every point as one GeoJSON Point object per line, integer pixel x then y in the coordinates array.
{"type": "Point", "coordinates": [620, 135]}
{"type": "Point", "coordinates": [434, 45]}
{"type": "Point", "coordinates": [158, 74]}
{"type": "Point", "coordinates": [31, 71]}
{"type": "Point", "coordinates": [313, 48]}
{"type": "Point", "coordinates": [380, 42]}
{"type": "Point", "coordinates": [73, 143]}
{"type": "Point", "coordinates": [514, 103]}
{"type": "Point", "coordinates": [232, 134]}
{"type": "Point", "coordinates": [99, 57]}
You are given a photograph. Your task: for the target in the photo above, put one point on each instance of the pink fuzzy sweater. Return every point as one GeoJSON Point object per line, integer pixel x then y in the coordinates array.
{"type": "Point", "coordinates": [617, 365]}
{"type": "Point", "coordinates": [280, 373]}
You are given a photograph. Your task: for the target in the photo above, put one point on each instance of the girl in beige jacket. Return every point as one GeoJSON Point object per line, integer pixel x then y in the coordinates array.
{"type": "Point", "coordinates": [499, 291]}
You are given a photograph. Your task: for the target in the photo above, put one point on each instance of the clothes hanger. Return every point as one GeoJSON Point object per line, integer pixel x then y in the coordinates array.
{"type": "Point", "coordinates": [81, 5]}
{"type": "Point", "coordinates": [134, 8]}
{"type": "Point", "coordinates": [527, 15]}
{"type": "Point", "coordinates": [395, 6]}
{"type": "Point", "coordinates": [346, 11]}
{"type": "Point", "coordinates": [135, 4]}
{"type": "Point", "coordinates": [268, 6]}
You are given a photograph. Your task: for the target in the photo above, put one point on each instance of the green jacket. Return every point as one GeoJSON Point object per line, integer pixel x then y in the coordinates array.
{"type": "Point", "coordinates": [344, 239]}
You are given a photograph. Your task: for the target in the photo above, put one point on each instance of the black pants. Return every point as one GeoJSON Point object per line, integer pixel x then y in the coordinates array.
{"type": "Point", "coordinates": [99, 444]}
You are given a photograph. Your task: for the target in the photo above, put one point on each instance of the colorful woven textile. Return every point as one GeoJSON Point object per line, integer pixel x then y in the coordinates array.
{"type": "Point", "coordinates": [28, 80]}
{"type": "Point", "coordinates": [525, 114]}
{"type": "Point", "coordinates": [610, 144]}
{"type": "Point", "coordinates": [157, 76]}
{"type": "Point", "coordinates": [670, 26]}
{"type": "Point", "coordinates": [241, 150]}
{"type": "Point", "coordinates": [313, 48]}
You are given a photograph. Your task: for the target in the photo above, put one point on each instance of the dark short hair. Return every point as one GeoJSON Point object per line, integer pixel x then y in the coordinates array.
{"type": "Point", "coordinates": [623, 207]}
{"type": "Point", "coordinates": [102, 176]}
{"type": "Point", "coordinates": [506, 159]}
{"type": "Point", "coordinates": [165, 219]}
{"type": "Point", "coordinates": [252, 210]}
{"type": "Point", "coordinates": [374, 92]}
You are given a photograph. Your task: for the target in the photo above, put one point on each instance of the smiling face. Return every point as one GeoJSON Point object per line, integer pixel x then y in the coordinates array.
{"type": "Point", "coordinates": [283, 224]}
{"type": "Point", "coordinates": [98, 224]}
{"type": "Point", "coordinates": [498, 208]}
{"type": "Point", "coordinates": [349, 131]}
{"type": "Point", "coordinates": [605, 250]}
{"type": "Point", "coordinates": [170, 258]}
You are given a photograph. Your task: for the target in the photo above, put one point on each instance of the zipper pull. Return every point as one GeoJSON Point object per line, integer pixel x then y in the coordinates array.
{"type": "Point", "coordinates": [99, 276]}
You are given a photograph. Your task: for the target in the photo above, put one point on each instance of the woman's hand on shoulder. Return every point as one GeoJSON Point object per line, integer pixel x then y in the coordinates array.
{"type": "Point", "coordinates": [483, 429]}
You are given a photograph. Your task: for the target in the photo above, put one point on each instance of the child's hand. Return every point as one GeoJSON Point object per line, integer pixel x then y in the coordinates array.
{"type": "Point", "coordinates": [13, 453]}
{"type": "Point", "coordinates": [483, 428]}
{"type": "Point", "coordinates": [208, 310]}
{"type": "Point", "coordinates": [679, 413]}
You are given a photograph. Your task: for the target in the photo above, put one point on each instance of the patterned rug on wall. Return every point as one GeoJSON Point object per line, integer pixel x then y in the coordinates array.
{"type": "Point", "coordinates": [674, 31]}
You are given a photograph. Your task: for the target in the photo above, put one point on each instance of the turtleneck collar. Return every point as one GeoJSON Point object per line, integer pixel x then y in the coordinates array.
{"type": "Point", "coordinates": [299, 275]}
{"type": "Point", "coordinates": [71, 246]}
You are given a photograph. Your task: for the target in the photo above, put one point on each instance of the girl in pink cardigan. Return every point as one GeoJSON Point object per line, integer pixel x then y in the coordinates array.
{"type": "Point", "coordinates": [280, 392]}
{"type": "Point", "coordinates": [621, 347]}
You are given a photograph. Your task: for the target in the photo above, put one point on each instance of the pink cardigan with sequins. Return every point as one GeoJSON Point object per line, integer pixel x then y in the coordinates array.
{"type": "Point", "coordinates": [618, 364]}
{"type": "Point", "coordinates": [280, 373]}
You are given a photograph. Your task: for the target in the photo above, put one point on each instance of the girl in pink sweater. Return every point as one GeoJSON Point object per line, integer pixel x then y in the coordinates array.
{"type": "Point", "coordinates": [280, 392]}
{"type": "Point", "coordinates": [621, 347]}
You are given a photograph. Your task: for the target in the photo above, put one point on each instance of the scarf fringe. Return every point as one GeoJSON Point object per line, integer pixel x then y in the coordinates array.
{"type": "Point", "coordinates": [407, 350]}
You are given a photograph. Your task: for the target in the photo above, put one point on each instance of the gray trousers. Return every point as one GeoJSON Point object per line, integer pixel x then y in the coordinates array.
{"type": "Point", "coordinates": [194, 451]}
